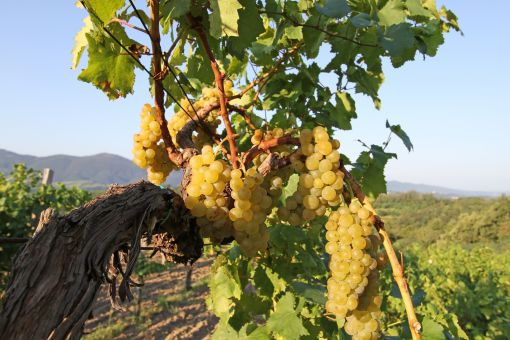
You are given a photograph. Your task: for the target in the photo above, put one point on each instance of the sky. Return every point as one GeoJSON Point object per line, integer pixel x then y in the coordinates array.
{"type": "Point", "coordinates": [453, 106]}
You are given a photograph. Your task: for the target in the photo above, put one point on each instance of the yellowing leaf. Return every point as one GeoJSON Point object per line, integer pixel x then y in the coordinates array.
{"type": "Point", "coordinates": [81, 42]}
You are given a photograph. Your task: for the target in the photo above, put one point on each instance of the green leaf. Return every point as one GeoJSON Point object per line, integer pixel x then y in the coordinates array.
{"type": "Point", "coordinates": [432, 37]}
{"type": "Point", "coordinates": [369, 170]}
{"type": "Point", "coordinates": [398, 39]}
{"type": "Point", "coordinates": [397, 130]}
{"type": "Point", "coordinates": [108, 69]}
{"type": "Point", "coordinates": [223, 288]}
{"type": "Point", "coordinates": [432, 330]}
{"type": "Point", "coordinates": [174, 9]}
{"type": "Point", "coordinates": [224, 331]}
{"type": "Point", "coordinates": [392, 13]}
{"type": "Point", "coordinates": [361, 20]}
{"type": "Point", "coordinates": [105, 10]}
{"type": "Point", "coordinates": [334, 8]}
{"type": "Point", "coordinates": [224, 17]}
{"type": "Point", "coordinates": [252, 26]}
{"type": "Point", "coordinates": [416, 8]}
{"type": "Point", "coordinates": [284, 321]}
{"type": "Point", "coordinates": [290, 188]}
{"type": "Point", "coordinates": [313, 292]}
{"type": "Point", "coordinates": [81, 42]}
{"type": "Point", "coordinates": [198, 66]}
{"type": "Point", "coordinates": [293, 32]}
{"type": "Point", "coordinates": [344, 111]}
{"type": "Point", "coordinates": [313, 38]}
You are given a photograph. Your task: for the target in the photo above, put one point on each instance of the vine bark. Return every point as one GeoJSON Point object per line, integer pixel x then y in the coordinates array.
{"type": "Point", "coordinates": [57, 274]}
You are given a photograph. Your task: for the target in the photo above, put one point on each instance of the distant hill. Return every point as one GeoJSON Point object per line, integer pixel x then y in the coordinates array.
{"type": "Point", "coordinates": [395, 186]}
{"type": "Point", "coordinates": [94, 172]}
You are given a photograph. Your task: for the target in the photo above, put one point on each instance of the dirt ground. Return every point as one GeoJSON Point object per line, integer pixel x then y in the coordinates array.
{"type": "Point", "coordinates": [161, 309]}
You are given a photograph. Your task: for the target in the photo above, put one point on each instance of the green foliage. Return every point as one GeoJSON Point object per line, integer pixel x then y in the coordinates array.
{"type": "Point", "coordinates": [22, 199]}
{"type": "Point", "coordinates": [463, 293]}
{"type": "Point", "coordinates": [426, 219]}
{"type": "Point", "coordinates": [281, 293]}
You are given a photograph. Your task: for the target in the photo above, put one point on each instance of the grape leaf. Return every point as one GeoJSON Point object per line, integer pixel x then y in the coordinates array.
{"type": "Point", "coordinates": [392, 13]}
{"type": "Point", "coordinates": [108, 69]}
{"type": "Point", "coordinates": [81, 42]}
{"type": "Point", "coordinates": [415, 7]}
{"type": "Point", "coordinates": [334, 8]}
{"type": "Point", "coordinates": [174, 9]}
{"type": "Point", "coordinates": [398, 39]}
{"type": "Point", "coordinates": [284, 321]}
{"type": "Point", "coordinates": [251, 28]}
{"type": "Point", "coordinates": [223, 19]}
{"type": "Point", "coordinates": [432, 37]}
{"type": "Point", "coordinates": [312, 292]}
{"type": "Point", "coordinates": [397, 130]}
{"type": "Point", "coordinates": [290, 188]}
{"type": "Point", "coordinates": [223, 287]}
{"type": "Point", "coordinates": [361, 20]}
{"type": "Point", "coordinates": [313, 38]}
{"type": "Point", "coordinates": [369, 170]}
{"type": "Point", "coordinates": [345, 110]}
{"type": "Point", "coordinates": [293, 32]}
{"type": "Point", "coordinates": [105, 10]}
{"type": "Point", "coordinates": [432, 330]}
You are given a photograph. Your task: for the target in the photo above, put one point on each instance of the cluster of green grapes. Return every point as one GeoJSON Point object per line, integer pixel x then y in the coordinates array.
{"type": "Point", "coordinates": [209, 96]}
{"type": "Point", "coordinates": [352, 287]}
{"type": "Point", "coordinates": [206, 196]}
{"type": "Point", "coordinates": [144, 149]}
{"type": "Point", "coordinates": [148, 153]}
{"type": "Point", "coordinates": [217, 217]}
{"type": "Point", "coordinates": [259, 136]}
{"type": "Point", "coordinates": [363, 323]}
{"type": "Point", "coordinates": [252, 204]}
{"type": "Point", "coordinates": [320, 182]}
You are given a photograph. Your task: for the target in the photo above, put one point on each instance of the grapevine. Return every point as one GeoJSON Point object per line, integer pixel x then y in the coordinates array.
{"type": "Point", "coordinates": [228, 66]}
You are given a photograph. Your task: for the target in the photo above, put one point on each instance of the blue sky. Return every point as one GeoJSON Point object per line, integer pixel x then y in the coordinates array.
{"type": "Point", "coordinates": [454, 106]}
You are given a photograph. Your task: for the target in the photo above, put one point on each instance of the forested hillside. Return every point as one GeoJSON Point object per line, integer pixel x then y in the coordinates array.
{"type": "Point", "coordinates": [425, 219]}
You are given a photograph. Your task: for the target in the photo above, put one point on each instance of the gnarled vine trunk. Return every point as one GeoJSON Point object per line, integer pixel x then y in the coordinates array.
{"type": "Point", "coordinates": [57, 274]}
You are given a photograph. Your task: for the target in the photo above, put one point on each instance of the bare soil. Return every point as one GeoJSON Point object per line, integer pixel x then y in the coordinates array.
{"type": "Point", "coordinates": [161, 309]}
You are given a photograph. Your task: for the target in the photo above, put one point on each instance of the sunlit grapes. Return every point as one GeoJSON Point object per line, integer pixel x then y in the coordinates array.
{"type": "Point", "coordinates": [352, 244]}
{"type": "Point", "coordinates": [320, 180]}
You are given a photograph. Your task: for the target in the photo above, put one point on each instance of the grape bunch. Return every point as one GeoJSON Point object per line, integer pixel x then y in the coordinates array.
{"type": "Point", "coordinates": [363, 322]}
{"type": "Point", "coordinates": [206, 197]}
{"type": "Point", "coordinates": [260, 136]}
{"type": "Point", "coordinates": [252, 204]}
{"type": "Point", "coordinates": [148, 153]}
{"type": "Point", "coordinates": [352, 244]}
{"type": "Point", "coordinates": [182, 114]}
{"type": "Point", "coordinates": [144, 149]}
{"type": "Point", "coordinates": [320, 182]}
{"type": "Point", "coordinates": [217, 215]}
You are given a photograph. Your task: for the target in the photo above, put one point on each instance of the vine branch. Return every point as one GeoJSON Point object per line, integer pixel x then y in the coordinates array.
{"type": "Point", "coordinates": [175, 156]}
{"type": "Point", "coordinates": [264, 146]}
{"type": "Point", "coordinates": [243, 111]}
{"type": "Point", "coordinates": [218, 77]}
